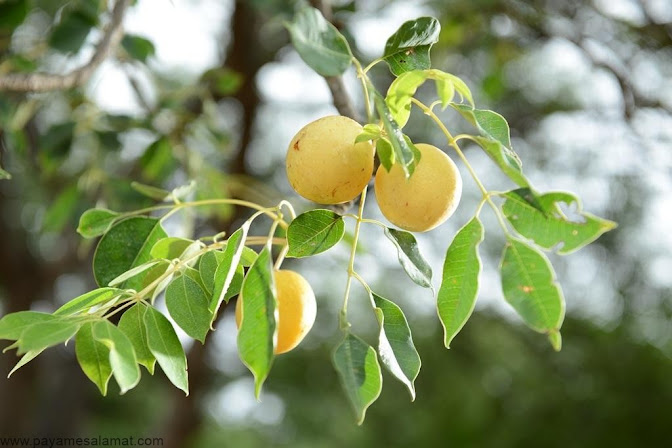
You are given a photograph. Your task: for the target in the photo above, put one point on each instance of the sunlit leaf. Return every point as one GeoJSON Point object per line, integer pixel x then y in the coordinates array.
{"type": "Point", "coordinates": [227, 268]}
{"type": "Point", "coordinates": [170, 248]}
{"type": "Point", "coordinates": [402, 152]}
{"type": "Point", "coordinates": [319, 43]}
{"type": "Point", "coordinates": [133, 325]}
{"type": "Point", "coordinates": [314, 232]}
{"type": "Point", "coordinates": [410, 258]}
{"type": "Point", "coordinates": [553, 228]}
{"type": "Point", "coordinates": [530, 286]}
{"type": "Point", "coordinates": [257, 333]}
{"type": "Point", "coordinates": [93, 357]}
{"type": "Point", "coordinates": [408, 48]}
{"type": "Point", "coordinates": [88, 300]}
{"type": "Point", "coordinates": [385, 153]}
{"type": "Point", "coordinates": [491, 124]}
{"type": "Point", "coordinates": [357, 365]}
{"type": "Point", "coordinates": [459, 287]}
{"type": "Point", "coordinates": [401, 91]}
{"type": "Point", "coordinates": [121, 354]}
{"type": "Point", "coordinates": [369, 132]}
{"type": "Point", "coordinates": [395, 343]}
{"type": "Point", "coordinates": [46, 334]}
{"type": "Point", "coordinates": [14, 324]}
{"type": "Point", "coordinates": [507, 160]}
{"type": "Point", "coordinates": [95, 222]}
{"type": "Point", "coordinates": [166, 348]}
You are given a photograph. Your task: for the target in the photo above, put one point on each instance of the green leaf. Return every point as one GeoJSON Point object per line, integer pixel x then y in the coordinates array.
{"type": "Point", "coordinates": [195, 276]}
{"type": "Point", "coordinates": [227, 268]}
{"type": "Point", "coordinates": [385, 153]}
{"type": "Point", "coordinates": [14, 324]}
{"type": "Point", "coordinates": [530, 286]}
{"type": "Point", "coordinates": [138, 47]}
{"type": "Point", "coordinates": [490, 124]}
{"type": "Point", "coordinates": [93, 357]}
{"type": "Point", "coordinates": [408, 48]}
{"type": "Point", "coordinates": [507, 160]}
{"type": "Point", "coordinates": [126, 245]}
{"type": "Point", "coordinates": [151, 191]}
{"type": "Point", "coordinates": [25, 359]}
{"type": "Point", "coordinates": [459, 287]}
{"type": "Point", "coordinates": [551, 229]}
{"type": "Point", "coordinates": [133, 325]}
{"type": "Point", "coordinates": [46, 334]}
{"type": "Point", "coordinates": [188, 306]}
{"type": "Point", "coordinates": [236, 283]}
{"type": "Point", "coordinates": [369, 132]}
{"type": "Point", "coordinates": [134, 272]}
{"type": "Point", "coordinates": [170, 248]}
{"type": "Point", "coordinates": [207, 266]}
{"type": "Point", "coordinates": [410, 257]}
{"type": "Point", "coordinates": [4, 175]}
{"type": "Point", "coordinates": [71, 32]}
{"type": "Point", "coordinates": [401, 91]}
{"type": "Point", "coordinates": [166, 348]}
{"type": "Point", "coordinates": [122, 355]}
{"type": "Point", "coordinates": [223, 80]}
{"type": "Point", "coordinates": [319, 43]}
{"type": "Point", "coordinates": [88, 300]}
{"type": "Point", "coordinates": [447, 84]}
{"type": "Point", "coordinates": [357, 365]}
{"type": "Point", "coordinates": [256, 336]}
{"type": "Point", "coordinates": [314, 232]}
{"type": "Point", "coordinates": [95, 222]}
{"type": "Point", "coordinates": [402, 151]}
{"type": "Point", "coordinates": [395, 343]}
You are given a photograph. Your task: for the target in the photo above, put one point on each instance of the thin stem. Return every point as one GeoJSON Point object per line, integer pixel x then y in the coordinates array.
{"type": "Point", "coordinates": [268, 211]}
{"type": "Point", "coordinates": [370, 66]}
{"type": "Point", "coordinates": [375, 221]}
{"type": "Point", "coordinates": [361, 74]}
{"type": "Point", "coordinates": [281, 257]}
{"type": "Point", "coordinates": [343, 318]}
{"type": "Point", "coordinates": [262, 240]}
{"type": "Point", "coordinates": [452, 142]}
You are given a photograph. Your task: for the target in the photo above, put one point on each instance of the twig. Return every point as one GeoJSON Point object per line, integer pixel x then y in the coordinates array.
{"type": "Point", "coordinates": [44, 82]}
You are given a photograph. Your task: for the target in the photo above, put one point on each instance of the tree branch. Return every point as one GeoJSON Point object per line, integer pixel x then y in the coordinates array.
{"type": "Point", "coordinates": [44, 82]}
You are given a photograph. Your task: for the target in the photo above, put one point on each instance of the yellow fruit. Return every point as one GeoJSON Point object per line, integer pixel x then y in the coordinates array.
{"type": "Point", "coordinates": [296, 309]}
{"type": "Point", "coordinates": [425, 200]}
{"type": "Point", "coordinates": [325, 165]}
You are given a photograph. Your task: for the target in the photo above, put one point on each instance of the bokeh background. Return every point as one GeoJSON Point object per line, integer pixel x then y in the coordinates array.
{"type": "Point", "coordinates": [211, 90]}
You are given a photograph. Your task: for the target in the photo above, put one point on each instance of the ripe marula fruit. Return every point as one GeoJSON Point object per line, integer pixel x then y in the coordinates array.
{"type": "Point", "coordinates": [427, 199]}
{"type": "Point", "coordinates": [296, 309]}
{"type": "Point", "coordinates": [325, 165]}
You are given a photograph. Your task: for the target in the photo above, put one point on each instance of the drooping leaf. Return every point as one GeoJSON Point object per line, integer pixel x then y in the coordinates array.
{"type": "Point", "coordinates": [227, 268]}
{"type": "Point", "coordinates": [166, 348]}
{"type": "Point", "coordinates": [126, 245]}
{"type": "Point", "coordinates": [401, 91]}
{"type": "Point", "coordinates": [319, 43]}
{"type": "Point", "coordinates": [95, 222]}
{"type": "Point", "coordinates": [71, 32]}
{"type": "Point", "coordinates": [408, 48]}
{"type": "Point", "coordinates": [553, 228]}
{"type": "Point", "coordinates": [138, 47]}
{"type": "Point", "coordinates": [170, 248]}
{"type": "Point", "coordinates": [490, 124]}
{"type": "Point", "coordinates": [93, 357]}
{"type": "Point", "coordinates": [395, 343]}
{"type": "Point", "coordinates": [402, 152]}
{"type": "Point", "coordinates": [314, 232]}
{"type": "Point", "coordinates": [13, 324]}
{"type": "Point", "coordinates": [132, 323]}
{"type": "Point", "coordinates": [134, 272]}
{"type": "Point", "coordinates": [122, 355]}
{"type": "Point", "coordinates": [447, 84]}
{"type": "Point", "coordinates": [530, 286]}
{"type": "Point", "coordinates": [385, 153]}
{"type": "Point", "coordinates": [207, 266]}
{"type": "Point", "coordinates": [88, 300]}
{"type": "Point", "coordinates": [410, 258]}
{"type": "Point", "coordinates": [507, 160]}
{"type": "Point", "coordinates": [188, 306]}
{"type": "Point", "coordinates": [357, 365]}
{"type": "Point", "coordinates": [459, 287]}
{"type": "Point", "coordinates": [46, 334]}
{"type": "Point", "coordinates": [369, 132]}
{"type": "Point", "coordinates": [257, 333]}
{"type": "Point", "coordinates": [25, 359]}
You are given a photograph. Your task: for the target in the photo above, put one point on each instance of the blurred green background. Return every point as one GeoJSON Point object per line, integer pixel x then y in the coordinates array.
{"type": "Point", "coordinates": [211, 90]}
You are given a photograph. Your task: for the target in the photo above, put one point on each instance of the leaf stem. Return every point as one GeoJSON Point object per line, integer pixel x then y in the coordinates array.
{"type": "Point", "coordinates": [370, 66]}
{"type": "Point", "coordinates": [361, 74]}
{"type": "Point", "coordinates": [343, 318]}
{"type": "Point", "coordinates": [452, 141]}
